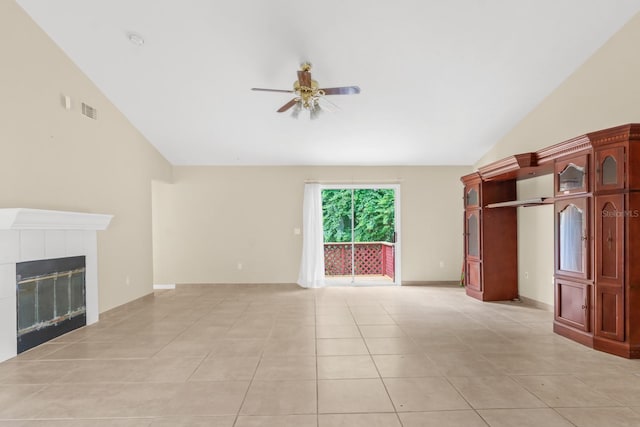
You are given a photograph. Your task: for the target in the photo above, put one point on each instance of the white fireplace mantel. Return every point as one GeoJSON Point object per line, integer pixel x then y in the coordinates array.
{"type": "Point", "coordinates": [34, 234]}
{"type": "Point", "coordinates": [39, 219]}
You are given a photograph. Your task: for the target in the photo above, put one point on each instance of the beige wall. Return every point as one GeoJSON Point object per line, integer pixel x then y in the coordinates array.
{"type": "Point", "coordinates": [211, 218]}
{"type": "Point", "coordinates": [54, 158]}
{"type": "Point", "coordinates": [604, 92]}
{"type": "Point", "coordinates": [535, 242]}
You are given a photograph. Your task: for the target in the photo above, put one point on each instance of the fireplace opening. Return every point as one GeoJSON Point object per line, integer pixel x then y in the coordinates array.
{"type": "Point", "coordinates": [51, 299]}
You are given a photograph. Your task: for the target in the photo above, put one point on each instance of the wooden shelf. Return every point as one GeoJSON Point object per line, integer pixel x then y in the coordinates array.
{"type": "Point", "coordinates": [522, 203]}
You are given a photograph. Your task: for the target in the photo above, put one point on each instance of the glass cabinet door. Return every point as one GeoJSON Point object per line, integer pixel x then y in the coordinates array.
{"type": "Point", "coordinates": [572, 229]}
{"type": "Point", "coordinates": [472, 196]}
{"type": "Point", "coordinates": [571, 176]}
{"type": "Point", "coordinates": [610, 169]}
{"type": "Point", "coordinates": [473, 234]}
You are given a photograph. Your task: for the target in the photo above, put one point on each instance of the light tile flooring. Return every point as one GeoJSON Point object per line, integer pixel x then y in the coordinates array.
{"type": "Point", "coordinates": [279, 355]}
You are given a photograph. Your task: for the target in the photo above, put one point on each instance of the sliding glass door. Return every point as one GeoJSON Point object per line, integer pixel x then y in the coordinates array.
{"type": "Point", "coordinates": [360, 234]}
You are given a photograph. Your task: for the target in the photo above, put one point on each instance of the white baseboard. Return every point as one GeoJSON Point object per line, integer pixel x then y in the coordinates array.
{"type": "Point", "coordinates": [164, 286]}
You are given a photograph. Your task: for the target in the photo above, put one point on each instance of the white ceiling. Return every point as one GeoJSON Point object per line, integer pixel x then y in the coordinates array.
{"type": "Point", "coordinates": [441, 81]}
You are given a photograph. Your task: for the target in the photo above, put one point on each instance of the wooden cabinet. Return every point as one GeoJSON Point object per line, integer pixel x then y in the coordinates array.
{"type": "Point", "coordinates": [616, 212]}
{"type": "Point", "coordinates": [599, 304]}
{"type": "Point", "coordinates": [596, 199]}
{"type": "Point", "coordinates": [490, 240]}
{"type": "Point", "coordinates": [573, 239]}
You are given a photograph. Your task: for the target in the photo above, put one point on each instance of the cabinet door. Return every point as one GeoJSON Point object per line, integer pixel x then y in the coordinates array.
{"type": "Point", "coordinates": [472, 234]}
{"type": "Point", "coordinates": [610, 217]}
{"type": "Point", "coordinates": [573, 304]}
{"type": "Point", "coordinates": [472, 196]}
{"type": "Point", "coordinates": [610, 168]}
{"type": "Point", "coordinates": [609, 288]}
{"type": "Point", "coordinates": [609, 312]}
{"type": "Point", "coordinates": [572, 238]}
{"type": "Point", "coordinates": [474, 276]}
{"type": "Point", "coordinates": [572, 175]}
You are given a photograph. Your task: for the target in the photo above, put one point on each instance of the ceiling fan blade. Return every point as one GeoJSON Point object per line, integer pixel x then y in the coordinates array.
{"type": "Point", "coordinates": [272, 90]}
{"type": "Point", "coordinates": [346, 90]}
{"type": "Point", "coordinates": [304, 77]}
{"type": "Point", "coordinates": [288, 105]}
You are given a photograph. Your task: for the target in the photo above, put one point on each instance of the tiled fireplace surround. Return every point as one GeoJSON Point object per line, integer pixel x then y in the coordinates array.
{"type": "Point", "coordinates": [35, 234]}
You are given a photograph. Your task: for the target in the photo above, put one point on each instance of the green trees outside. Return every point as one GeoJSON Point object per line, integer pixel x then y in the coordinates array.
{"type": "Point", "coordinates": [374, 215]}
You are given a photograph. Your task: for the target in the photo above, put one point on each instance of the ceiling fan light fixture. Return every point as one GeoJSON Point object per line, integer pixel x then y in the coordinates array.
{"type": "Point", "coordinates": [295, 112]}
{"type": "Point", "coordinates": [314, 110]}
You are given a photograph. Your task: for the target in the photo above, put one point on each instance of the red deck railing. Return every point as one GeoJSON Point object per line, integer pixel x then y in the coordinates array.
{"type": "Point", "coordinates": [370, 259]}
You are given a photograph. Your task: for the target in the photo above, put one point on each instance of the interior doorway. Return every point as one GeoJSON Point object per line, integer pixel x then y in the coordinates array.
{"type": "Point", "coordinates": [360, 234]}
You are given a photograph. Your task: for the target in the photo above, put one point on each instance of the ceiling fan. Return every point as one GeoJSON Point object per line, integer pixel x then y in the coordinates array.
{"type": "Point", "coordinates": [308, 95]}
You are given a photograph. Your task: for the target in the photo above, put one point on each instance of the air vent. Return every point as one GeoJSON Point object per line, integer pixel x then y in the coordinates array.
{"type": "Point", "coordinates": [89, 111]}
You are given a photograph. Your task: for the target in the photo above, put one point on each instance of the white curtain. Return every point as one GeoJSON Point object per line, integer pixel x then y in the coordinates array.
{"type": "Point", "coordinates": [312, 264]}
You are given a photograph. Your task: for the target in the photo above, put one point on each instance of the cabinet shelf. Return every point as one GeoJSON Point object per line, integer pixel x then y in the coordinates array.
{"type": "Point", "coordinates": [524, 203]}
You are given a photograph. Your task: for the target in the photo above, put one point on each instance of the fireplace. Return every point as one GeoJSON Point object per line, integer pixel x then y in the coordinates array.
{"type": "Point", "coordinates": [48, 275]}
{"type": "Point", "coordinates": [50, 299]}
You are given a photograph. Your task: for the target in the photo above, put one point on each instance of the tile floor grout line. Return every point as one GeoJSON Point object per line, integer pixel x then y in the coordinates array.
{"type": "Point", "coordinates": [393, 405]}
{"type": "Point", "coordinates": [246, 393]}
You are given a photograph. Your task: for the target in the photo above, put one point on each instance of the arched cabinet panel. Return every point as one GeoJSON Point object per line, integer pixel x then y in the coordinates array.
{"type": "Point", "coordinates": [610, 168]}
{"type": "Point", "coordinates": [609, 304]}
{"type": "Point", "coordinates": [610, 215]}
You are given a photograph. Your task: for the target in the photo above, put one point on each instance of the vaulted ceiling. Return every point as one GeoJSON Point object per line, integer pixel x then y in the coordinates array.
{"type": "Point", "coordinates": [441, 81]}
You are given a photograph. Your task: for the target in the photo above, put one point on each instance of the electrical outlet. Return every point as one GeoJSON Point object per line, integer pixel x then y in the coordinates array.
{"type": "Point", "coordinates": [239, 266]}
{"type": "Point", "coordinates": [526, 275]}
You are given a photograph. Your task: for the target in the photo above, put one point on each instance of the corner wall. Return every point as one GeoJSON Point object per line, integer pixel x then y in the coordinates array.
{"type": "Point", "coordinates": [53, 158]}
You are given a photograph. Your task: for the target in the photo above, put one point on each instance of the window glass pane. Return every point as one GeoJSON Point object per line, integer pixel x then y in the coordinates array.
{"type": "Point", "coordinates": [45, 300]}
{"type": "Point", "coordinates": [26, 305]}
{"type": "Point", "coordinates": [62, 296]}
{"type": "Point", "coordinates": [77, 293]}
